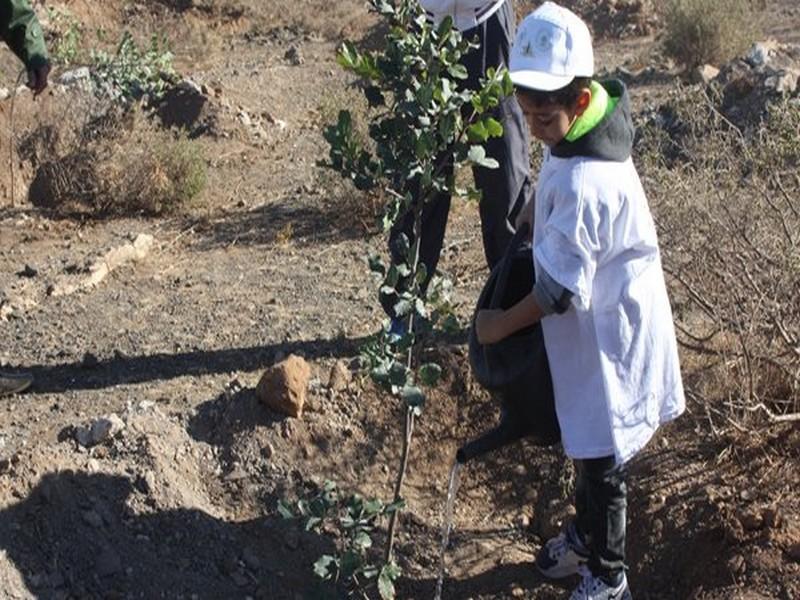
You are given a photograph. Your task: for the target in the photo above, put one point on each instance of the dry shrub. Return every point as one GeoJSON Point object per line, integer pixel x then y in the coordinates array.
{"type": "Point", "coordinates": [117, 162]}
{"type": "Point", "coordinates": [348, 205]}
{"type": "Point", "coordinates": [701, 31]}
{"type": "Point", "coordinates": [728, 208]}
{"type": "Point", "coordinates": [152, 170]}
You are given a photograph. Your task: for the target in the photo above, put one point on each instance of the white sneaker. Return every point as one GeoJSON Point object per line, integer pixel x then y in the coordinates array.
{"type": "Point", "coordinates": [562, 555]}
{"type": "Point", "coordinates": [594, 588]}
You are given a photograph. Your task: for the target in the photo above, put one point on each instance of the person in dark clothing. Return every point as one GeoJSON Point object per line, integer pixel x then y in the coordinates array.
{"type": "Point", "coordinates": [506, 191]}
{"type": "Point", "coordinates": [21, 31]}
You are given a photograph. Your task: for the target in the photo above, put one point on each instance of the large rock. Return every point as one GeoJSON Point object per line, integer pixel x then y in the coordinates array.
{"type": "Point", "coordinates": [283, 386]}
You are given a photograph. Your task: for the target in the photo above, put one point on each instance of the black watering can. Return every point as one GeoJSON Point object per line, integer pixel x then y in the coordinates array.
{"type": "Point", "coordinates": [516, 368]}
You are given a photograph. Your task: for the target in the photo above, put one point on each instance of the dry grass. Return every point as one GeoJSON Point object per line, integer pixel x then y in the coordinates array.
{"type": "Point", "coordinates": [728, 209]}
{"type": "Point", "coordinates": [698, 31]}
{"type": "Point", "coordinates": [112, 163]}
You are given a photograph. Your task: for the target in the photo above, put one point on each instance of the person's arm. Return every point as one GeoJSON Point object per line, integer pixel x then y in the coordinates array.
{"type": "Point", "coordinates": [20, 29]}
{"type": "Point", "coordinates": [548, 297]}
{"type": "Point", "coordinates": [491, 325]}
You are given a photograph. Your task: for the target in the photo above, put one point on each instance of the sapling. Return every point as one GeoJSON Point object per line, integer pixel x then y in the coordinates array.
{"type": "Point", "coordinates": [423, 121]}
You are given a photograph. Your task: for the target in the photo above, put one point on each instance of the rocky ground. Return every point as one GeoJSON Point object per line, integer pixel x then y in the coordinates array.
{"type": "Point", "coordinates": [143, 464]}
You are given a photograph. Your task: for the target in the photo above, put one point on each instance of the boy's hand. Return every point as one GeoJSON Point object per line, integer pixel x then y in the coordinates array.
{"type": "Point", "coordinates": [488, 326]}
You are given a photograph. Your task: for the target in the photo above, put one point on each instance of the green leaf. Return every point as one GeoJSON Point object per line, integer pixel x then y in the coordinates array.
{"type": "Point", "coordinates": [398, 374]}
{"type": "Point", "coordinates": [325, 567]}
{"type": "Point", "coordinates": [389, 573]}
{"type": "Point", "coordinates": [403, 308]}
{"type": "Point", "coordinates": [494, 128]}
{"type": "Point", "coordinates": [477, 156]}
{"type": "Point", "coordinates": [445, 27]}
{"type": "Point", "coordinates": [458, 71]}
{"type": "Point", "coordinates": [350, 563]}
{"type": "Point", "coordinates": [362, 540]}
{"type": "Point", "coordinates": [413, 396]}
{"type": "Point", "coordinates": [373, 507]}
{"type": "Point", "coordinates": [284, 510]}
{"type": "Point", "coordinates": [429, 374]}
{"type": "Point", "coordinates": [348, 56]}
{"type": "Point", "coordinates": [477, 133]}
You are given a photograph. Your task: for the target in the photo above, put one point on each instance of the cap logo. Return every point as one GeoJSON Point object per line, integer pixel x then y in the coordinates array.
{"type": "Point", "coordinates": [527, 49]}
{"type": "Point", "coordinates": [544, 39]}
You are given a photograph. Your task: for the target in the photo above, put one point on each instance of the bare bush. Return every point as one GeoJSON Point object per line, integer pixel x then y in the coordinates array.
{"type": "Point", "coordinates": [728, 208]}
{"type": "Point", "coordinates": [110, 161]}
{"type": "Point", "coordinates": [699, 31]}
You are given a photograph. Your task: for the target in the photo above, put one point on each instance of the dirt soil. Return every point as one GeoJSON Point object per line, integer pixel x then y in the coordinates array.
{"type": "Point", "coordinates": [182, 502]}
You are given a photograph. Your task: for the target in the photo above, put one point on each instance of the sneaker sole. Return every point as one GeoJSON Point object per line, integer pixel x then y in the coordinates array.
{"type": "Point", "coordinates": [559, 573]}
{"type": "Point", "coordinates": [23, 385]}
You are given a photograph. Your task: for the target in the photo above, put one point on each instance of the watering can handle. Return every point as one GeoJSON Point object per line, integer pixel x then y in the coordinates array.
{"type": "Point", "coordinates": [502, 276]}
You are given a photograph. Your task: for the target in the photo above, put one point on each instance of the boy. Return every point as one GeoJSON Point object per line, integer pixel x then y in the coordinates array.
{"type": "Point", "coordinates": [599, 292]}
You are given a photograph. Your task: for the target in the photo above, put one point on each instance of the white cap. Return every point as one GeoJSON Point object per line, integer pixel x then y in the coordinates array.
{"type": "Point", "coordinates": [551, 48]}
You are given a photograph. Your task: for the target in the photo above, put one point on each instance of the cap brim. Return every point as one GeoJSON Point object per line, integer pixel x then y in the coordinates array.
{"type": "Point", "coordinates": [539, 81]}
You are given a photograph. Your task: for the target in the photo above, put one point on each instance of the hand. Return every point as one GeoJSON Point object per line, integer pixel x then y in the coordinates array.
{"type": "Point", "coordinates": [37, 78]}
{"type": "Point", "coordinates": [488, 326]}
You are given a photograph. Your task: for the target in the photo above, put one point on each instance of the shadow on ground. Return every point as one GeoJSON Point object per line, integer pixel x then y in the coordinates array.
{"type": "Point", "coordinates": [74, 536]}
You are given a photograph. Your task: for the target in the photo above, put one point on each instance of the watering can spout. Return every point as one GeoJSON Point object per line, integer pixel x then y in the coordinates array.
{"type": "Point", "coordinates": [508, 431]}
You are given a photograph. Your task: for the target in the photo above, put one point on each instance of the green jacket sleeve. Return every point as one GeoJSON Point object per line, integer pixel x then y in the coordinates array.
{"type": "Point", "coordinates": [20, 29]}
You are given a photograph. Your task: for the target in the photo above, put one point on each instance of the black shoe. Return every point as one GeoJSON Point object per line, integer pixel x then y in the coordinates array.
{"type": "Point", "coordinates": [13, 384]}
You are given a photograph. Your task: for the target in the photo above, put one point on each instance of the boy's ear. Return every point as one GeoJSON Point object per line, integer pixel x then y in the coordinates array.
{"type": "Point", "coordinates": [584, 98]}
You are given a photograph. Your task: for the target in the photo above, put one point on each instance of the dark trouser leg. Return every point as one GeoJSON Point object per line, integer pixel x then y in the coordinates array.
{"type": "Point", "coordinates": [434, 223]}
{"type": "Point", "coordinates": [600, 502]}
{"type": "Point", "coordinates": [507, 190]}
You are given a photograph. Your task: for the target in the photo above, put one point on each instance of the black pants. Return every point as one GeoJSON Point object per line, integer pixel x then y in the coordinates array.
{"type": "Point", "coordinates": [505, 190]}
{"type": "Point", "coordinates": [600, 503]}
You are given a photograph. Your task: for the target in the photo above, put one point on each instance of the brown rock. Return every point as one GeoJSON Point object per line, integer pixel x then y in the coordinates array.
{"type": "Point", "coordinates": [283, 386]}
{"type": "Point", "coordinates": [340, 376]}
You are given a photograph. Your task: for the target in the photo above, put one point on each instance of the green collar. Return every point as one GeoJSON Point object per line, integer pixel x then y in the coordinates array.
{"type": "Point", "coordinates": [601, 105]}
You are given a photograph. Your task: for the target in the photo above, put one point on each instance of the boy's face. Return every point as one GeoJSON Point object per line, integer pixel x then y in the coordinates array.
{"type": "Point", "coordinates": [549, 122]}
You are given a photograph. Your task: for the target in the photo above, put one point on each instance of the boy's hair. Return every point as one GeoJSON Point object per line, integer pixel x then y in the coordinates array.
{"type": "Point", "coordinates": [565, 96]}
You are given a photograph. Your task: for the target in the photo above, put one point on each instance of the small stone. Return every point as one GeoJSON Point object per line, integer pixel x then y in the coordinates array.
{"type": "Point", "coordinates": [705, 74]}
{"type": "Point", "coordinates": [268, 451]}
{"type": "Point", "coordinates": [340, 376]}
{"type": "Point", "coordinates": [772, 517]}
{"type": "Point", "coordinates": [751, 520]}
{"type": "Point", "coordinates": [522, 522]}
{"type": "Point", "coordinates": [105, 428]}
{"type": "Point", "coordinates": [760, 53]}
{"type": "Point", "coordinates": [517, 592]}
{"type": "Point", "coordinates": [737, 564]}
